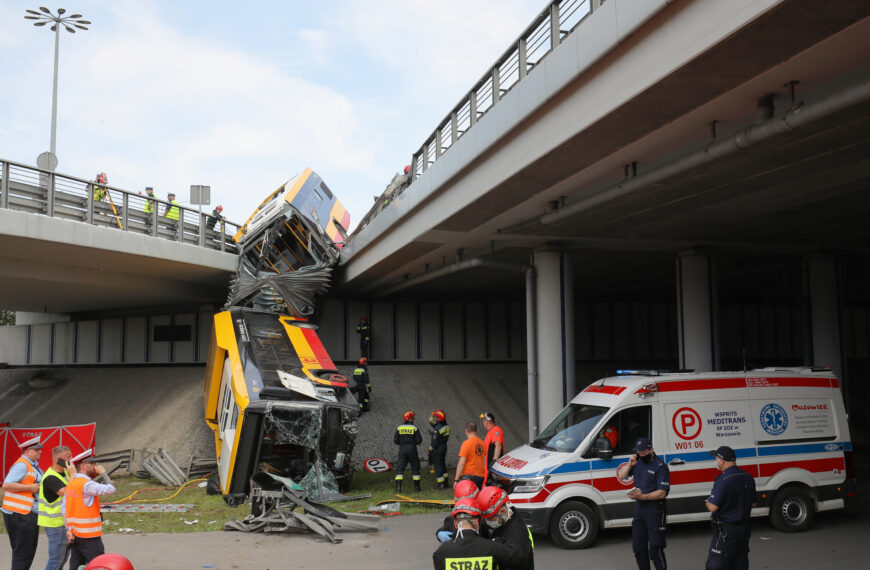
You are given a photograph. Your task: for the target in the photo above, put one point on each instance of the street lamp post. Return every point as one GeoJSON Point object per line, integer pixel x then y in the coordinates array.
{"type": "Point", "coordinates": [43, 17]}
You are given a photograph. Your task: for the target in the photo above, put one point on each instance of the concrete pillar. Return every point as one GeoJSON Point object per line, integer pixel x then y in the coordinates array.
{"type": "Point", "coordinates": [823, 292]}
{"type": "Point", "coordinates": [697, 302]}
{"type": "Point", "coordinates": [554, 301]}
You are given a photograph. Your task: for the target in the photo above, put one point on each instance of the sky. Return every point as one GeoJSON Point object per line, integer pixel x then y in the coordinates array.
{"type": "Point", "coordinates": [243, 96]}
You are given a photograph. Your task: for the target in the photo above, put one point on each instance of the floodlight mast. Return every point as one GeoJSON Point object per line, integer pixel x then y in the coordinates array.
{"type": "Point", "coordinates": [43, 17]}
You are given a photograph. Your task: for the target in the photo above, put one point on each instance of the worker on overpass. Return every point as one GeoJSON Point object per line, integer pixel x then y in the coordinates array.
{"type": "Point", "coordinates": [171, 211]}
{"type": "Point", "coordinates": [101, 191]}
{"type": "Point", "coordinates": [408, 437]}
{"type": "Point", "coordinates": [215, 217]}
{"type": "Point", "coordinates": [149, 203]}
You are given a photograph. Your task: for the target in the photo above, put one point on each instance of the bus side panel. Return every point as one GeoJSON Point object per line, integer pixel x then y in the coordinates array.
{"type": "Point", "coordinates": [214, 372]}
{"type": "Point", "coordinates": [248, 440]}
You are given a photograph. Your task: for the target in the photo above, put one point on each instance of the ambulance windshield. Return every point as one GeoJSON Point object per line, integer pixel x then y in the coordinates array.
{"type": "Point", "coordinates": [570, 428]}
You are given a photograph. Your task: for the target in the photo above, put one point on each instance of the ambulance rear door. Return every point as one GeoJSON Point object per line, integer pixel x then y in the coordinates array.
{"type": "Point", "coordinates": [700, 415]}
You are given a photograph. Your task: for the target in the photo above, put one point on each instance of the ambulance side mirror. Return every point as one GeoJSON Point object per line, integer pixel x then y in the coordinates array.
{"type": "Point", "coordinates": [602, 448]}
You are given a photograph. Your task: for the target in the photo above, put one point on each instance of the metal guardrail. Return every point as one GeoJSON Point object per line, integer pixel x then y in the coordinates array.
{"type": "Point", "coordinates": [542, 36]}
{"type": "Point", "coordinates": [30, 189]}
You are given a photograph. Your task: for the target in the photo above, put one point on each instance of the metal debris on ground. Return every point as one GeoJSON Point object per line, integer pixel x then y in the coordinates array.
{"type": "Point", "coordinates": [276, 507]}
{"type": "Point", "coordinates": [164, 469]}
{"type": "Point", "coordinates": [149, 508]}
{"type": "Point", "coordinates": [200, 467]}
{"type": "Point", "coordinates": [122, 459]}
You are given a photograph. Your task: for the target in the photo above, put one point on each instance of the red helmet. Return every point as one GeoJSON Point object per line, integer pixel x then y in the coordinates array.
{"type": "Point", "coordinates": [440, 415]}
{"type": "Point", "coordinates": [465, 489]}
{"type": "Point", "coordinates": [465, 507]}
{"type": "Point", "coordinates": [490, 501]}
{"type": "Point", "coordinates": [612, 435]}
{"type": "Point", "coordinates": [109, 562]}
{"type": "Point", "coordinates": [101, 177]}
{"type": "Point", "coordinates": [409, 416]}
{"type": "Point", "coordinates": [363, 319]}
{"type": "Point", "coordinates": [407, 168]}
{"type": "Point", "coordinates": [363, 360]}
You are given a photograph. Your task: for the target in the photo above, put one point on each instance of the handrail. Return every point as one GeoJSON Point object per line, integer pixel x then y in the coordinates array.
{"type": "Point", "coordinates": [547, 30]}
{"type": "Point", "coordinates": [32, 189]}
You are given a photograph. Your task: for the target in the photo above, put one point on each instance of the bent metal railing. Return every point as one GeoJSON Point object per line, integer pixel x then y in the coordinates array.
{"type": "Point", "coordinates": [30, 189]}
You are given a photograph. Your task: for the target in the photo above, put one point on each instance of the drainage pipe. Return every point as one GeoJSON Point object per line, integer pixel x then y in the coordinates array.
{"type": "Point", "coordinates": [795, 117]}
{"type": "Point", "coordinates": [532, 352]}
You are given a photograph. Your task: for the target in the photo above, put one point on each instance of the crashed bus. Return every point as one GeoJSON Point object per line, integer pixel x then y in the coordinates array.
{"type": "Point", "coordinates": [273, 397]}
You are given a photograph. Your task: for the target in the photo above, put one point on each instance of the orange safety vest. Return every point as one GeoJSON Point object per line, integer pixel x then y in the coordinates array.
{"type": "Point", "coordinates": [84, 522]}
{"type": "Point", "coordinates": [22, 502]}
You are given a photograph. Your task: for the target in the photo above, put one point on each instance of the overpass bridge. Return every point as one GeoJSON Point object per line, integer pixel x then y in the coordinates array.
{"type": "Point", "coordinates": [679, 181]}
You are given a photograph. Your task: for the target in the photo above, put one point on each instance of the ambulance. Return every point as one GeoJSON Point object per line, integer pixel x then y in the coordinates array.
{"type": "Point", "coordinates": [788, 427]}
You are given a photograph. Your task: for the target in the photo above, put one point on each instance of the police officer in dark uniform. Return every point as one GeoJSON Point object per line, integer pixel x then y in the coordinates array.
{"type": "Point", "coordinates": [363, 385]}
{"type": "Point", "coordinates": [652, 482]}
{"type": "Point", "coordinates": [731, 502]}
{"type": "Point", "coordinates": [364, 330]}
{"type": "Point", "coordinates": [408, 438]}
{"type": "Point", "coordinates": [438, 446]}
{"type": "Point", "coordinates": [467, 549]}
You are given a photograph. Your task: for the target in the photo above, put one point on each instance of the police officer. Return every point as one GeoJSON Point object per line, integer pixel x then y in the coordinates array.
{"type": "Point", "coordinates": [652, 482]}
{"type": "Point", "coordinates": [408, 438]}
{"type": "Point", "coordinates": [467, 549]}
{"type": "Point", "coordinates": [438, 446]}
{"type": "Point", "coordinates": [364, 330]}
{"type": "Point", "coordinates": [363, 384]}
{"type": "Point", "coordinates": [731, 502]}
{"type": "Point", "coordinates": [20, 506]}
{"type": "Point", "coordinates": [505, 524]}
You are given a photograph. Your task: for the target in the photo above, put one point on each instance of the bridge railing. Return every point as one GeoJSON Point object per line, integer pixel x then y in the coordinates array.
{"type": "Point", "coordinates": [29, 189]}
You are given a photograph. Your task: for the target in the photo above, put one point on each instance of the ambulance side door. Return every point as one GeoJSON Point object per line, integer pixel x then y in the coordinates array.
{"type": "Point", "coordinates": [629, 424]}
{"type": "Point", "coordinates": [697, 422]}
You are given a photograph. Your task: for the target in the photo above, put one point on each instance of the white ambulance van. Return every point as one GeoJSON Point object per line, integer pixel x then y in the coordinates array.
{"type": "Point", "coordinates": [787, 426]}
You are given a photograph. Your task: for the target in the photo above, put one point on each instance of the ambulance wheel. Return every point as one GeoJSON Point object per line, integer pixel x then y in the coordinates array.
{"type": "Point", "coordinates": [792, 510]}
{"type": "Point", "coordinates": [574, 525]}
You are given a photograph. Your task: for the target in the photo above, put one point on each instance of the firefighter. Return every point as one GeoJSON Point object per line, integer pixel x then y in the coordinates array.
{"type": "Point", "coordinates": [438, 446]}
{"type": "Point", "coordinates": [364, 330]}
{"type": "Point", "coordinates": [408, 437]}
{"type": "Point", "coordinates": [468, 549]}
{"type": "Point", "coordinates": [363, 384]}
{"type": "Point", "coordinates": [506, 524]}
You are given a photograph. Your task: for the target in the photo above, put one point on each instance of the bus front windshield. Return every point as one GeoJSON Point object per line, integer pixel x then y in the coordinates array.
{"type": "Point", "coordinates": [570, 428]}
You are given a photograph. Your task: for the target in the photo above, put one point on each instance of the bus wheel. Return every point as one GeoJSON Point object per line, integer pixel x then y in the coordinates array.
{"type": "Point", "coordinates": [792, 510]}
{"type": "Point", "coordinates": [574, 525]}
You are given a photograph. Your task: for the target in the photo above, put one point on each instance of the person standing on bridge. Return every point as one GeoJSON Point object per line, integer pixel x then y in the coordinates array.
{"type": "Point", "coordinates": [215, 217]}
{"type": "Point", "coordinates": [730, 503]}
{"type": "Point", "coordinates": [364, 330]}
{"type": "Point", "coordinates": [171, 211]}
{"type": "Point", "coordinates": [494, 442]}
{"type": "Point", "coordinates": [408, 437]}
{"type": "Point", "coordinates": [149, 203]}
{"type": "Point", "coordinates": [19, 504]}
{"type": "Point", "coordinates": [100, 191]}
{"type": "Point", "coordinates": [652, 482]}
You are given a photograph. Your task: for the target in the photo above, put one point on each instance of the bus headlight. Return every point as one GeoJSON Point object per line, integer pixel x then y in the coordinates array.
{"type": "Point", "coordinates": [529, 485]}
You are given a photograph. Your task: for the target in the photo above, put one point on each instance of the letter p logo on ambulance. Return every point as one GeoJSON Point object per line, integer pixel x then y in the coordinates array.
{"type": "Point", "coordinates": [774, 419]}
{"type": "Point", "coordinates": [686, 423]}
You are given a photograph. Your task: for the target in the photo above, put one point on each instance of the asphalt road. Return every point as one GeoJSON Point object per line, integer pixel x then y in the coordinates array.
{"type": "Point", "coordinates": [835, 541]}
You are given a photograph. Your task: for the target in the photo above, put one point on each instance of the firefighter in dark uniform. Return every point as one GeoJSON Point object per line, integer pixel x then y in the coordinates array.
{"type": "Point", "coordinates": [506, 524]}
{"type": "Point", "coordinates": [652, 482]}
{"type": "Point", "coordinates": [363, 385]}
{"type": "Point", "coordinates": [730, 502]}
{"type": "Point", "coordinates": [467, 549]}
{"type": "Point", "coordinates": [438, 446]}
{"type": "Point", "coordinates": [408, 438]}
{"type": "Point", "coordinates": [364, 330]}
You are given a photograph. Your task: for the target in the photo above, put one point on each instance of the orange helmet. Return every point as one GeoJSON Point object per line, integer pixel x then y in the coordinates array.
{"type": "Point", "coordinates": [363, 361]}
{"type": "Point", "coordinates": [490, 501]}
{"type": "Point", "coordinates": [409, 416]}
{"type": "Point", "coordinates": [465, 507]}
{"type": "Point", "coordinates": [440, 415]}
{"type": "Point", "coordinates": [465, 489]}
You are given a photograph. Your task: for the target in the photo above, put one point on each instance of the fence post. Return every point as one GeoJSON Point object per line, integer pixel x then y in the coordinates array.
{"type": "Point", "coordinates": [180, 224]}
{"type": "Point", "coordinates": [201, 229]}
{"type": "Point", "coordinates": [438, 149]}
{"type": "Point", "coordinates": [522, 58]}
{"type": "Point", "coordinates": [496, 90]}
{"type": "Point", "coordinates": [472, 107]}
{"type": "Point", "coordinates": [454, 127]}
{"type": "Point", "coordinates": [89, 215]}
{"type": "Point", "coordinates": [223, 236]}
{"type": "Point", "coordinates": [126, 206]}
{"type": "Point", "coordinates": [4, 187]}
{"type": "Point", "coordinates": [49, 196]}
{"type": "Point", "coordinates": [555, 29]}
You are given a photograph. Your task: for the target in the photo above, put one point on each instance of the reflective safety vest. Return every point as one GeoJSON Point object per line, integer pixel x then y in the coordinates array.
{"type": "Point", "coordinates": [172, 212]}
{"type": "Point", "coordinates": [50, 514]}
{"type": "Point", "coordinates": [470, 563]}
{"type": "Point", "coordinates": [149, 206]}
{"type": "Point", "coordinates": [21, 502]}
{"type": "Point", "coordinates": [83, 521]}
{"type": "Point", "coordinates": [99, 193]}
